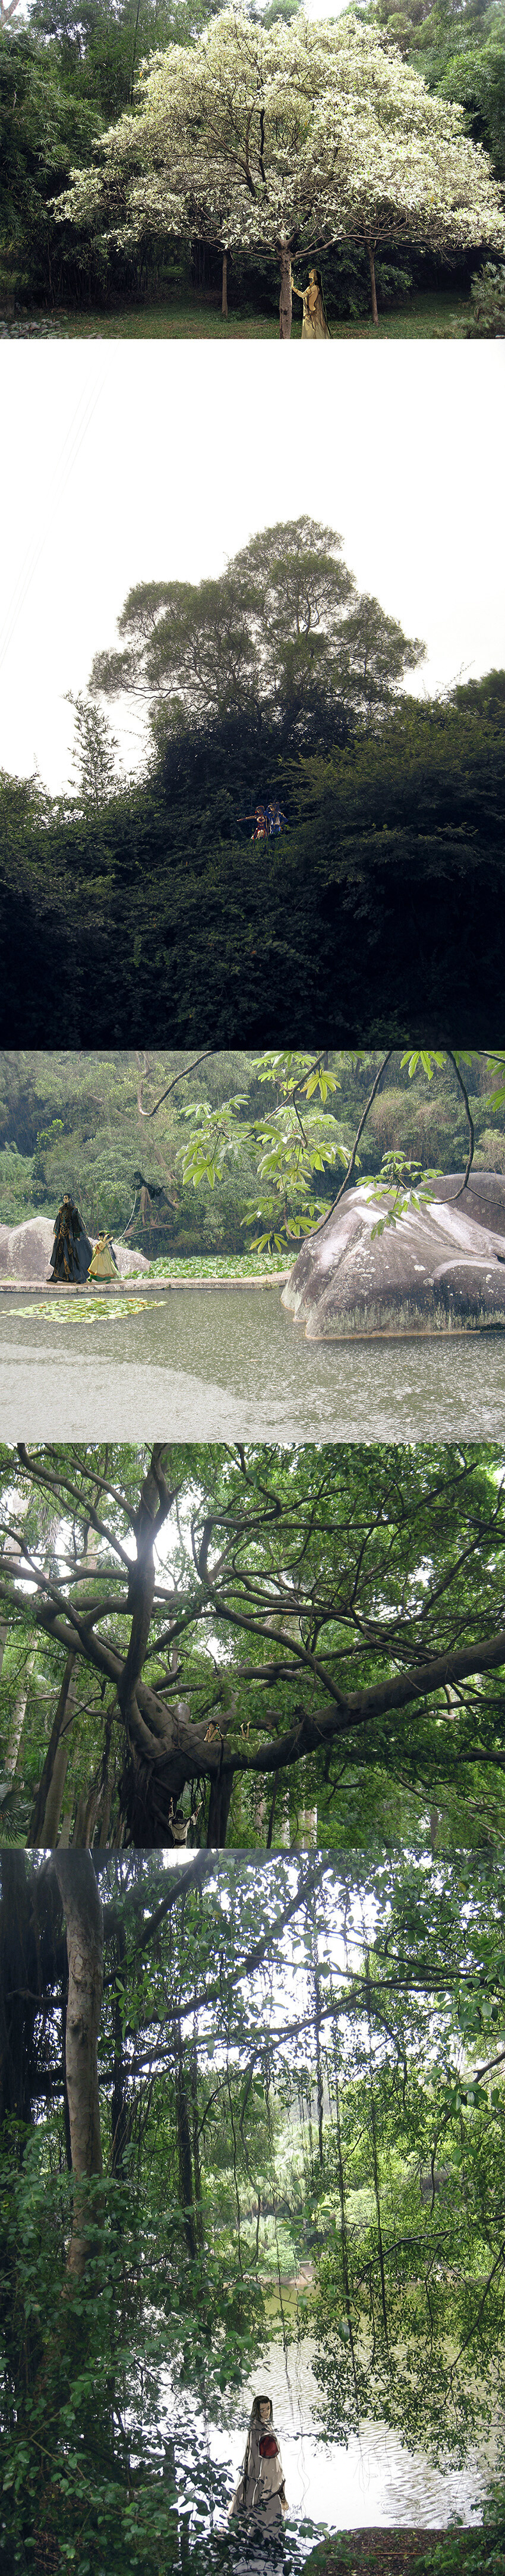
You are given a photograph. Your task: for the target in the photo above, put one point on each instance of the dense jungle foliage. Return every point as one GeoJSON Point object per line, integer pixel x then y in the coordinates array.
{"type": "Point", "coordinates": [281, 2115]}
{"type": "Point", "coordinates": [379, 907]}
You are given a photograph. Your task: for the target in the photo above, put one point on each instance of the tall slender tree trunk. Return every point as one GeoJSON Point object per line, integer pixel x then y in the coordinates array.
{"type": "Point", "coordinates": [183, 2109]}
{"type": "Point", "coordinates": [119, 2115]}
{"type": "Point", "coordinates": [18, 1720]}
{"type": "Point", "coordinates": [83, 1918]}
{"type": "Point", "coordinates": [375, 316]}
{"type": "Point", "coordinates": [285, 298]}
{"type": "Point", "coordinates": [17, 1974]}
{"type": "Point", "coordinates": [46, 1810]}
{"type": "Point", "coordinates": [219, 1809]}
{"type": "Point", "coordinates": [224, 297]}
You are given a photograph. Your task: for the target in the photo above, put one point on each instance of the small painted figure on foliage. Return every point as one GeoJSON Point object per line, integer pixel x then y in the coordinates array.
{"type": "Point", "coordinates": [260, 2492]}
{"type": "Point", "coordinates": [267, 819]}
{"type": "Point", "coordinates": [72, 1250]}
{"type": "Point", "coordinates": [104, 1262]}
{"type": "Point", "coordinates": [315, 325]}
{"type": "Point", "coordinates": [275, 819]}
{"type": "Point", "coordinates": [260, 823]}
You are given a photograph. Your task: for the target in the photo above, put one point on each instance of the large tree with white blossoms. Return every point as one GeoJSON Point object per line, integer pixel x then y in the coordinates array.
{"type": "Point", "coordinates": [292, 138]}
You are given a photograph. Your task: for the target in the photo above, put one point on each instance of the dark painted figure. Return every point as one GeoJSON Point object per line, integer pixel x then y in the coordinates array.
{"type": "Point", "coordinates": [72, 1250]}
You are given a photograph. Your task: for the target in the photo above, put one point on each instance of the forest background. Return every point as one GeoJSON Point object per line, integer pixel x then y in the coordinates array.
{"type": "Point", "coordinates": [142, 1131]}
{"type": "Point", "coordinates": [116, 894]}
{"type": "Point", "coordinates": [241, 2104]}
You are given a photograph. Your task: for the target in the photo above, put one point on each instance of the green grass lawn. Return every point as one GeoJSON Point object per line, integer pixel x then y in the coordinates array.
{"type": "Point", "coordinates": [423, 318]}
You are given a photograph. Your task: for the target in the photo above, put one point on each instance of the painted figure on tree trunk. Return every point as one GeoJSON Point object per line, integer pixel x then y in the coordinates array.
{"type": "Point", "coordinates": [315, 324]}
{"type": "Point", "coordinates": [260, 2492]}
{"type": "Point", "coordinates": [72, 1250]}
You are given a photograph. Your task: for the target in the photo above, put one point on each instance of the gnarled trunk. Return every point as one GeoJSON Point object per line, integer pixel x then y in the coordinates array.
{"type": "Point", "coordinates": [285, 298]}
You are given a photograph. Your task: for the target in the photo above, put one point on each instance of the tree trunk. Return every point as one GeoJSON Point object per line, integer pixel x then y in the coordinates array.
{"type": "Point", "coordinates": [184, 2156]}
{"type": "Point", "coordinates": [307, 1834]}
{"type": "Point", "coordinates": [17, 2017]}
{"type": "Point", "coordinates": [375, 316]}
{"type": "Point", "coordinates": [285, 298]}
{"type": "Point", "coordinates": [83, 1917]}
{"type": "Point", "coordinates": [219, 1809]}
{"type": "Point", "coordinates": [46, 1810]}
{"type": "Point", "coordinates": [18, 1720]}
{"type": "Point", "coordinates": [224, 298]}
{"type": "Point", "coordinates": [119, 2110]}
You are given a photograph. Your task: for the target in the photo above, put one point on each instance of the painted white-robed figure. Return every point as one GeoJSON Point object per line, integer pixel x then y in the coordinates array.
{"type": "Point", "coordinates": [260, 2492]}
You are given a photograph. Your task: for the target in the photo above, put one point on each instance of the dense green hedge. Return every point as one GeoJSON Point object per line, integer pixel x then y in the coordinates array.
{"type": "Point", "coordinates": [380, 910]}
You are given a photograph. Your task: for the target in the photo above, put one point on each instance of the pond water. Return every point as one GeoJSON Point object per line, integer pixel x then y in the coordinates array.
{"type": "Point", "coordinates": [228, 1366]}
{"type": "Point", "coordinates": [374, 2481]}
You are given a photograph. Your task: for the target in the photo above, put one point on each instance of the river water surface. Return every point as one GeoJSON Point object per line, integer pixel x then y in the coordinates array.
{"type": "Point", "coordinates": [374, 2481]}
{"type": "Point", "coordinates": [226, 1366]}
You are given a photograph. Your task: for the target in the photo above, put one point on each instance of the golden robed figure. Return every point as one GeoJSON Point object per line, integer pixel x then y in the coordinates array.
{"type": "Point", "coordinates": [314, 325]}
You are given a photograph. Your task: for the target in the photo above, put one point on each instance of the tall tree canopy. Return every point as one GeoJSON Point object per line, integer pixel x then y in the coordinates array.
{"type": "Point", "coordinates": [283, 639]}
{"type": "Point", "coordinates": [282, 1645]}
{"type": "Point", "coordinates": [287, 137]}
{"type": "Point", "coordinates": [461, 52]}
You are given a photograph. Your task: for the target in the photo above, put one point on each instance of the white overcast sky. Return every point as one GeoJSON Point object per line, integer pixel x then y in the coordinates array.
{"type": "Point", "coordinates": [129, 461]}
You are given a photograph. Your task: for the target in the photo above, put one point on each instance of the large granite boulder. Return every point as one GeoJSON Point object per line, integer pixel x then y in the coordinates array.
{"type": "Point", "coordinates": [25, 1252]}
{"type": "Point", "coordinates": [440, 1269]}
{"type": "Point", "coordinates": [483, 1199]}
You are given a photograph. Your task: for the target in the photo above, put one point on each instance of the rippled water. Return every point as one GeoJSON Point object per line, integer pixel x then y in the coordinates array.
{"type": "Point", "coordinates": [227, 1366]}
{"type": "Point", "coordinates": [375, 2481]}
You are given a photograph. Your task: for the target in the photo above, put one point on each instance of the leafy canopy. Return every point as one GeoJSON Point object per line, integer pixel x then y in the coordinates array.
{"type": "Point", "coordinates": [282, 638]}
{"type": "Point", "coordinates": [288, 136]}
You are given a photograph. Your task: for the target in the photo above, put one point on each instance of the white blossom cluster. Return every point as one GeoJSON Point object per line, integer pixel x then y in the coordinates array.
{"type": "Point", "coordinates": [285, 137]}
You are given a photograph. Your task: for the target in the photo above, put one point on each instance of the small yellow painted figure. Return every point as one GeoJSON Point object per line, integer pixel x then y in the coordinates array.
{"type": "Point", "coordinates": [104, 1262]}
{"type": "Point", "coordinates": [314, 325]}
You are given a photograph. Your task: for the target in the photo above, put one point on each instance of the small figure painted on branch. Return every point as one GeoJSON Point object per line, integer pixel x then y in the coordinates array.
{"type": "Point", "coordinates": [104, 1264]}
{"type": "Point", "coordinates": [315, 325]}
{"type": "Point", "coordinates": [260, 2492]}
{"type": "Point", "coordinates": [72, 1250]}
